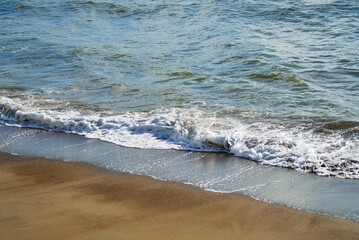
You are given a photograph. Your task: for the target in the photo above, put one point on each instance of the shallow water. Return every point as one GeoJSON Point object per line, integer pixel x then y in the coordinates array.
{"type": "Point", "coordinates": [272, 81]}
{"type": "Point", "coordinates": [216, 172]}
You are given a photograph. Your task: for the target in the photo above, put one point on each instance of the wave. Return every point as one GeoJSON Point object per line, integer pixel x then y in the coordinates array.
{"type": "Point", "coordinates": [326, 153]}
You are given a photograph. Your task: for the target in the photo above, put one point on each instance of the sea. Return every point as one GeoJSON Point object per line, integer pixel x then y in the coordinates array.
{"type": "Point", "coordinates": [210, 93]}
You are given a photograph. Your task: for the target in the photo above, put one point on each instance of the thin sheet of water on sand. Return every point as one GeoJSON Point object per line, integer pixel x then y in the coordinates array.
{"type": "Point", "coordinates": [210, 171]}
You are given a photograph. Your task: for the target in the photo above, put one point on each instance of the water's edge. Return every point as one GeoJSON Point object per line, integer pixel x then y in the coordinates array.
{"type": "Point", "coordinates": [306, 192]}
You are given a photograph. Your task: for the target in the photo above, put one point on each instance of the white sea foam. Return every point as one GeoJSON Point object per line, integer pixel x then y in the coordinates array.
{"type": "Point", "coordinates": [326, 154]}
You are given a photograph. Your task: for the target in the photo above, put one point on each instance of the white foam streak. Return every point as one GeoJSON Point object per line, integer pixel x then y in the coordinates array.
{"type": "Point", "coordinates": [192, 129]}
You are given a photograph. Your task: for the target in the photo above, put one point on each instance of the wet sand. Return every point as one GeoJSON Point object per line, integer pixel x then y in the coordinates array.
{"type": "Point", "coordinates": [48, 199]}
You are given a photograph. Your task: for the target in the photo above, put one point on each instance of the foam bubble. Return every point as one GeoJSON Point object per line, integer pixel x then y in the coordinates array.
{"type": "Point", "coordinates": [300, 148]}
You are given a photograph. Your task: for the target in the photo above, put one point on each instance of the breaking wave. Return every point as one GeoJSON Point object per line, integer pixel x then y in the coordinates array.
{"type": "Point", "coordinates": [331, 150]}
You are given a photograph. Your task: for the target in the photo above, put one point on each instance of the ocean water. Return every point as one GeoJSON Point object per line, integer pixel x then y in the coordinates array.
{"type": "Point", "coordinates": [276, 82]}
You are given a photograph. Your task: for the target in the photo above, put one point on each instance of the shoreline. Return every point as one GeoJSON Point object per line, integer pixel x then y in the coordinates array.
{"type": "Point", "coordinates": [41, 197]}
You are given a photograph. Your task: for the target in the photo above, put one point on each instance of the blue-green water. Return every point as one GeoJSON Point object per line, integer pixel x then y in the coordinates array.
{"type": "Point", "coordinates": [271, 81]}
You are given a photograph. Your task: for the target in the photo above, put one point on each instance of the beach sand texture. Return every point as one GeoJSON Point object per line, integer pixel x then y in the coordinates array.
{"type": "Point", "coordinates": [48, 199]}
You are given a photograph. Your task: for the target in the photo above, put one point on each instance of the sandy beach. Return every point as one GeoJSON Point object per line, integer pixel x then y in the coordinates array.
{"type": "Point", "coordinates": [48, 199]}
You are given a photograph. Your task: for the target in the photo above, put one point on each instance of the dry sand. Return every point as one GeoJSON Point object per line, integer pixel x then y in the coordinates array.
{"type": "Point", "coordinates": [47, 199]}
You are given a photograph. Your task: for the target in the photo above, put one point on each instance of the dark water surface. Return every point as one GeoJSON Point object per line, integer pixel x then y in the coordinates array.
{"type": "Point", "coordinates": [271, 81]}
